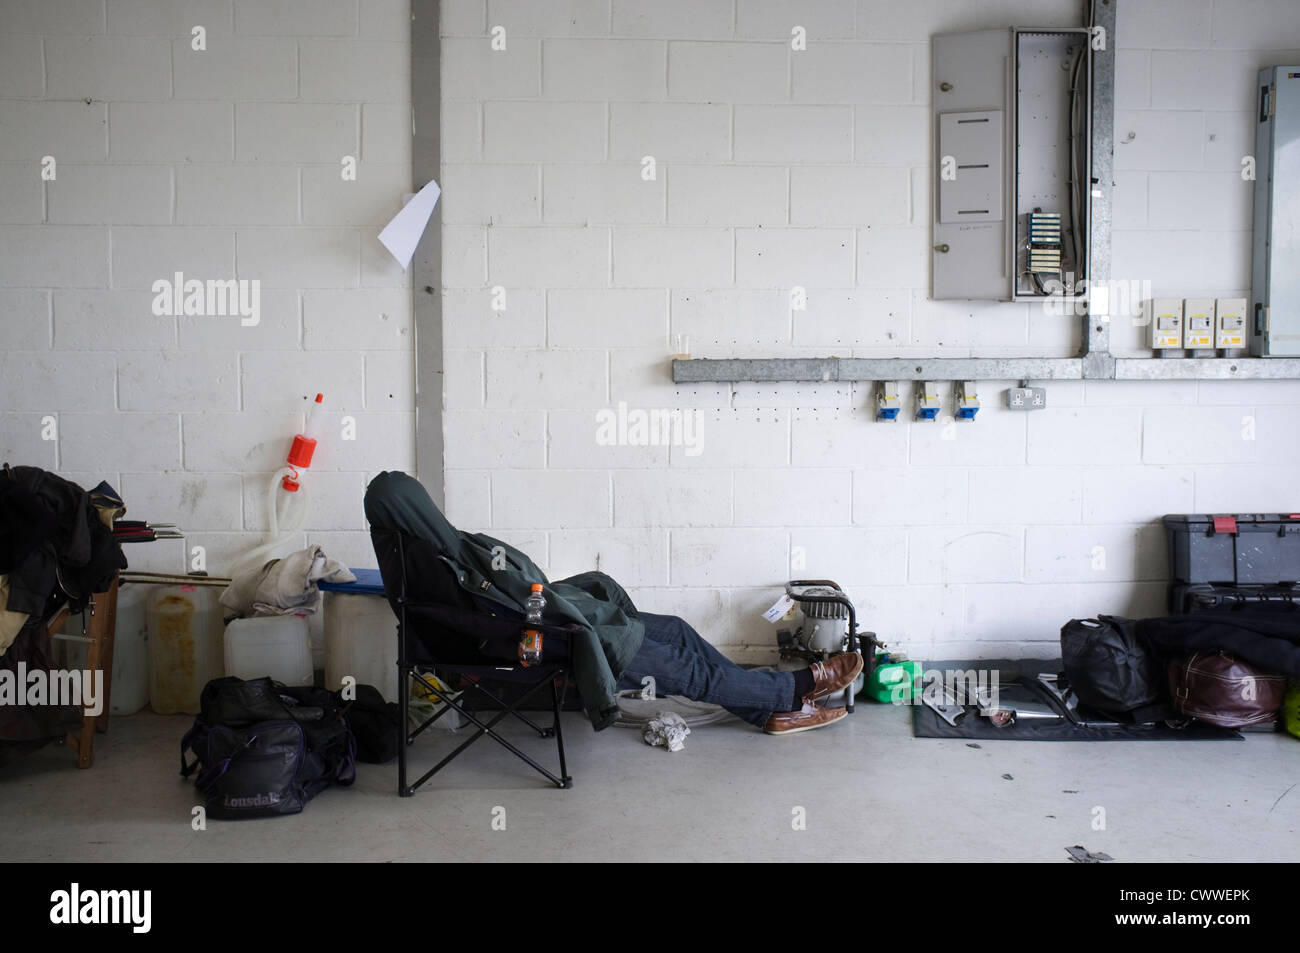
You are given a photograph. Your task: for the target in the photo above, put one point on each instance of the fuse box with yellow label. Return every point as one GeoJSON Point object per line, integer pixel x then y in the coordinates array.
{"type": "Point", "coordinates": [1198, 323]}
{"type": "Point", "coordinates": [1166, 318]}
{"type": "Point", "coordinates": [1230, 323]}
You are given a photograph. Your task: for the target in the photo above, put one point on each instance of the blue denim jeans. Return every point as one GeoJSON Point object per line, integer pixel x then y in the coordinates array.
{"type": "Point", "coordinates": [682, 663]}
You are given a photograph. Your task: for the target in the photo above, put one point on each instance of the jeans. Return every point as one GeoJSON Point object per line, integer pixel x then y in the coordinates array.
{"type": "Point", "coordinates": [682, 663]}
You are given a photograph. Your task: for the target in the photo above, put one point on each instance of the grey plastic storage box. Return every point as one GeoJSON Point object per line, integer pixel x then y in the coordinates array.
{"type": "Point", "coordinates": [1242, 549]}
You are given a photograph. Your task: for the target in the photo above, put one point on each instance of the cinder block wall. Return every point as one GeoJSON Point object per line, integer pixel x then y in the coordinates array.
{"type": "Point", "coordinates": [217, 163]}
{"type": "Point", "coordinates": [776, 168]}
{"type": "Point", "coordinates": [773, 168]}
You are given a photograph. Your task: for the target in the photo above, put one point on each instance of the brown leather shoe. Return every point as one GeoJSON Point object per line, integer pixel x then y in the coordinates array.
{"type": "Point", "coordinates": [835, 673]}
{"type": "Point", "coordinates": [805, 719]}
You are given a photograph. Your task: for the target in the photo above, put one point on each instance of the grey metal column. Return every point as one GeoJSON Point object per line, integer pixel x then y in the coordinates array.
{"type": "Point", "coordinates": [426, 267]}
{"type": "Point", "coordinates": [1097, 359]}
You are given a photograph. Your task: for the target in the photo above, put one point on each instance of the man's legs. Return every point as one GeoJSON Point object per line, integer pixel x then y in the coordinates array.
{"type": "Point", "coordinates": [681, 662]}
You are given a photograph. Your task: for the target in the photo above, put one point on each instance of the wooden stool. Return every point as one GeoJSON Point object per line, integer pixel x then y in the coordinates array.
{"type": "Point", "coordinates": [99, 655]}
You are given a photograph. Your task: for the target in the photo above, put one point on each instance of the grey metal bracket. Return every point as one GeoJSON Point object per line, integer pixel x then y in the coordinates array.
{"type": "Point", "coordinates": [828, 369]}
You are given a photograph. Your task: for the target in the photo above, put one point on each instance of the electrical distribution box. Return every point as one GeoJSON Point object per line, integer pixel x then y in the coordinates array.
{"type": "Point", "coordinates": [1165, 316]}
{"type": "Point", "coordinates": [1275, 321]}
{"type": "Point", "coordinates": [1198, 323]}
{"type": "Point", "coordinates": [1012, 125]}
{"type": "Point", "coordinates": [1230, 323]}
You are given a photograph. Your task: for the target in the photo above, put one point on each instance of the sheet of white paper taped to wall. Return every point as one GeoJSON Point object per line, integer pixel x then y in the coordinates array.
{"type": "Point", "coordinates": [402, 234]}
{"type": "Point", "coordinates": [781, 607]}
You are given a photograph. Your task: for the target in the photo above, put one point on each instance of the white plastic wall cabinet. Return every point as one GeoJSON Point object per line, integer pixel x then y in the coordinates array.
{"type": "Point", "coordinates": [1275, 325]}
{"type": "Point", "coordinates": [1165, 317]}
{"type": "Point", "coordinates": [1230, 324]}
{"type": "Point", "coordinates": [1012, 163]}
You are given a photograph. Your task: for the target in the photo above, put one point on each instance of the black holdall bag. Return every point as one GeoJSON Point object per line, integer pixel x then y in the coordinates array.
{"type": "Point", "coordinates": [263, 749]}
{"type": "Point", "coordinates": [1111, 668]}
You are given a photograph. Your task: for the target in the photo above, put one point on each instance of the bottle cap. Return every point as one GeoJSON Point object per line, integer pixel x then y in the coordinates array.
{"type": "Point", "coordinates": [537, 587]}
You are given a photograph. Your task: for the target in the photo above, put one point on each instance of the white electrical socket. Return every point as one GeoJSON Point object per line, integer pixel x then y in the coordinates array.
{"type": "Point", "coordinates": [1027, 398]}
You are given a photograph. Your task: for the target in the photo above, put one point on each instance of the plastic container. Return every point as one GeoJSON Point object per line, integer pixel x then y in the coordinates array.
{"type": "Point", "coordinates": [184, 632]}
{"type": "Point", "coordinates": [530, 644]}
{"type": "Point", "coordinates": [130, 691]}
{"type": "Point", "coordinates": [274, 645]}
{"type": "Point", "coordinates": [361, 641]}
{"type": "Point", "coordinates": [892, 682]}
{"type": "Point", "coordinates": [1291, 708]}
{"type": "Point", "coordinates": [1241, 549]}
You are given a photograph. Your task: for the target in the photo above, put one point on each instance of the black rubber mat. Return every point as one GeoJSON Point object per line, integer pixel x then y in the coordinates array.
{"type": "Point", "coordinates": [926, 723]}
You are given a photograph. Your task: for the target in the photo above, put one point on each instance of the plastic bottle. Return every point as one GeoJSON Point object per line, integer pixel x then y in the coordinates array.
{"type": "Point", "coordinates": [303, 447]}
{"type": "Point", "coordinates": [530, 645]}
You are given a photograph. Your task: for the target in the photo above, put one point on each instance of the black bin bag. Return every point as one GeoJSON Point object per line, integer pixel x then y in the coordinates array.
{"type": "Point", "coordinates": [1112, 670]}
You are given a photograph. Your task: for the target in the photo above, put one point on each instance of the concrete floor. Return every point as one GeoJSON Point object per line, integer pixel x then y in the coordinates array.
{"type": "Point", "coordinates": [869, 790]}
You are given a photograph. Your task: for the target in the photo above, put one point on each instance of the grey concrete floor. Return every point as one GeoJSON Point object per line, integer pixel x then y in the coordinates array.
{"type": "Point", "coordinates": [868, 790]}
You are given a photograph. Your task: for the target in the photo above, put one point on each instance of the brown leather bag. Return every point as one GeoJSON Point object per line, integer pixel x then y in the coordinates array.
{"type": "Point", "coordinates": [1222, 690]}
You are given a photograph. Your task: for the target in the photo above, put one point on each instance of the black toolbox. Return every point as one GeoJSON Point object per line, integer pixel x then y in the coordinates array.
{"type": "Point", "coordinates": [1237, 550]}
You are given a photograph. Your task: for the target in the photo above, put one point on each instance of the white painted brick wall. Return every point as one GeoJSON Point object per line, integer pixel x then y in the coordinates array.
{"type": "Point", "coordinates": [187, 415]}
{"type": "Point", "coordinates": [773, 167]}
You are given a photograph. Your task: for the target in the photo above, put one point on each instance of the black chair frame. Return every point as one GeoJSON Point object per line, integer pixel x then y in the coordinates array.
{"type": "Point", "coordinates": [554, 673]}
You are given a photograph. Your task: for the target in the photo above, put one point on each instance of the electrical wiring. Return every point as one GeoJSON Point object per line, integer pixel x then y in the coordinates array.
{"type": "Point", "coordinates": [1076, 236]}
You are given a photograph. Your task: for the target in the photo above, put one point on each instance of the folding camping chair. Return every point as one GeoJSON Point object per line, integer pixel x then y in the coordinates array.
{"type": "Point", "coordinates": [455, 637]}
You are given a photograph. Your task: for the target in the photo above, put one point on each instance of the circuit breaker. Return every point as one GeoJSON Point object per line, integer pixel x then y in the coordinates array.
{"type": "Point", "coordinates": [1012, 127]}
{"type": "Point", "coordinates": [1275, 281]}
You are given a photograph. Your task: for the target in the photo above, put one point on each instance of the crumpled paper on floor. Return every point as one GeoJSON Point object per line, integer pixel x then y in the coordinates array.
{"type": "Point", "coordinates": [667, 729]}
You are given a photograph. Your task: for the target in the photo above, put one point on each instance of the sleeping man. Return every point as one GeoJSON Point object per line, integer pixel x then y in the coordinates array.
{"type": "Point", "coordinates": [682, 663]}
{"type": "Point", "coordinates": [614, 645]}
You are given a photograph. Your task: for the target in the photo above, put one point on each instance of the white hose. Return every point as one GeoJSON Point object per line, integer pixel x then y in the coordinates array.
{"type": "Point", "coordinates": [277, 533]}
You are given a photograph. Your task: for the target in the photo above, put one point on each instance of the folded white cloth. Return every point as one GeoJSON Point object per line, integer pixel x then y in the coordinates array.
{"type": "Point", "coordinates": [286, 585]}
{"type": "Point", "coordinates": [667, 729]}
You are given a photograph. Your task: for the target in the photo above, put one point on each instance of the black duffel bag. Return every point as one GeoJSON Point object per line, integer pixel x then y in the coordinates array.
{"type": "Point", "coordinates": [263, 749]}
{"type": "Point", "coordinates": [1112, 669]}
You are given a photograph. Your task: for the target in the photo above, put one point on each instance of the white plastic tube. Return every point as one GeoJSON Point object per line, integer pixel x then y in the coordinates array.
{"type": "Point", "coordinates": [277, 531]}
